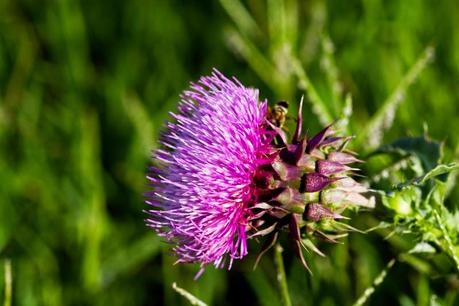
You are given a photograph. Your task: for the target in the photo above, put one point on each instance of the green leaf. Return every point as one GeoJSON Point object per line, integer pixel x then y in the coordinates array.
{"type": "Point", "coordinates": [404, 202]}
{"type": "Point", "coordinates": [435, 172]}
{"type": "Point", "coordinates": [422, 247]}
{"type": "Point", "coordinates": [439, 170]}
{"type": "Point", "coordinates": [404, 159]}
{"type": "Point", "coordinates": [428, 151]}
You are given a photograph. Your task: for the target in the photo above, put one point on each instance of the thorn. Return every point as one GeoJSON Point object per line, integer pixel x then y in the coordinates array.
{"type": "Point", "coordinates": [265, 248]}
{"type": "Point", "coordinates": [315, 141]}
{"type": "Point", "coordinates": [309, 244]}
{"type": "Point", "coordinates": [299, 253]}
{"type": "Point", "coordinates": [265, 231]}
{"type": "Point", "coordinates": [300, 149]}
{"type": "Point", "coordinates": [299, 122]}
{"type": "Point", "coordinates": [279, 132]}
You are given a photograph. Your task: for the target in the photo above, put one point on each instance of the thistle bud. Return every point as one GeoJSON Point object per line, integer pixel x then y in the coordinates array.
{"type": "Point", "coordinates": [291, 200]}
{"type": "Point", "coordinates": [316, 212]}
{"type": "Point", "coordinates": [333, 196]}
{"type": "Point", "coordinates": [312, 182]}
{"type": "Point", "coordinates": [343, 158]}
{"type": "Point", "coordinates": [327, 167]}
{"type": "Point", "coordinates": [350, 185]}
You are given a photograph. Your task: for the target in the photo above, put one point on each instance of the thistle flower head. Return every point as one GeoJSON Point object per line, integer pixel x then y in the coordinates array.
{"type": "Point", "coordinates": [202, 185]}
{"type": "Point", "coordinates": [227, 172]}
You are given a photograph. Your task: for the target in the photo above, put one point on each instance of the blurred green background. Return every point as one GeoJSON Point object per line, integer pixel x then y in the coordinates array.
{"type": "Point", "coordinates": [85, 87]}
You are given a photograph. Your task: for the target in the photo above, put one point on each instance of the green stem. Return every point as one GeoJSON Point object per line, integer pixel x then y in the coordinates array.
{"type": "Point", "coordinates": [378, 280]}
{"type": "Point", "coordinates": [191, 298]}
{"type": "Point", "coordinates": [8, 283]}
{"type": "Point", "coordinates": [281, 277]}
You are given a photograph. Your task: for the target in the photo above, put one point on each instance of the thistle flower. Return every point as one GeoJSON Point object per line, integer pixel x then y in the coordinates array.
{"type": "Point", "coordinates": [204, 182]}
{"type": "Point", "coordinates": [226, 172]}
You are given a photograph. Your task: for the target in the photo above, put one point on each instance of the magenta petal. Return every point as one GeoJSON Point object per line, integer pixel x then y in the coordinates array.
{"type": "Point", "coordinates": [202, 183]}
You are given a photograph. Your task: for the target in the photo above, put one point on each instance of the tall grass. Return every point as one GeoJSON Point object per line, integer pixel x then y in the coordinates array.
{"type": "Point", "coordinates": [86, 85]}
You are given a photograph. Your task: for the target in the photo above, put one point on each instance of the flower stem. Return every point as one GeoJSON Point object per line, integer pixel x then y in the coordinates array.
{"type": "Point", "coordinates": [191, 298]}
{"type": "Point", "coordinates": [281, 277]}
{"type": "Point", "coordinates": [378, 280]}
{"type": "Point", "coordinates": [8, 283]}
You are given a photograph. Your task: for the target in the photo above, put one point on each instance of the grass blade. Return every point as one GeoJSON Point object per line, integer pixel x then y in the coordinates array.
{"type": "Point", "coordinates": [328, 65]}
{"type": "Point", "coordinates": [318, 105]}
{"type": "Point", "coordinates": [256, 60]}
{"type": "Point", "coordinates": [191, 298]}
{"type": "Point", "coordinates": [241, 17]}
{"type": "Point", "coordinates": [378, 281]}
{"type": "Point", "coordinates": [281, 277]}
{"type": "Point", "coordinates": [384, 117]}
{"type": "Point", "coordinates": [8, 283]}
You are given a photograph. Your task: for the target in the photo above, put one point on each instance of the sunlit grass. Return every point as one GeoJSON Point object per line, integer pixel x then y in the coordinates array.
{"type": "Point", "coordinates": [85, 87]}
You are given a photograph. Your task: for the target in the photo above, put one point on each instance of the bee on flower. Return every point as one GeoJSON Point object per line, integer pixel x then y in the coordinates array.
{"type": "Point", "coordinates": [227, 172]}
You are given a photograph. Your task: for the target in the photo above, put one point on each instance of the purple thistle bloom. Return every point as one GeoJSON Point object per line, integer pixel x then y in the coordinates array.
{"type": "Point", "coordinates": [226, 171]}
{"type": "Point", "coordinates": [203, 185]}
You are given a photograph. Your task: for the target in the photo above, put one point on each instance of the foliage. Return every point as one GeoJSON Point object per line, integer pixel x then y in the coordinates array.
{"type": "Point", "coordinates": [417, 205]}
